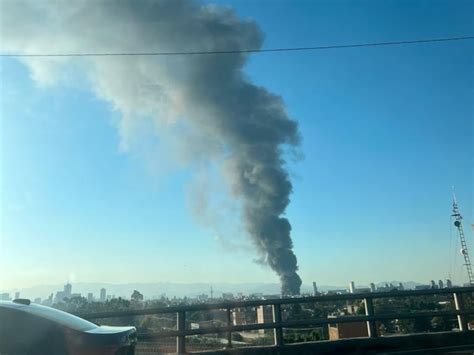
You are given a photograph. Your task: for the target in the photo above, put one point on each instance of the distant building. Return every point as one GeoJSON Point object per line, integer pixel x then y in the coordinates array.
{"type": "Point", "coordinates": [4, 296]}
{"type": "Point", "coordinates": [315, 289]}
{"type": "Point", "coordinates": [228, 296]}
{"type": "Point", "coordinates": [37, 300]}
{"type": "Point", "coordinates": [352, 287]}
{"type": "Point", "coordinates": [387, 288]}
{"type": "Point", "coordinates": [203, 297]}
{"type": "Point", "coordinates": [103, 295]}
{"type": "Point", "coordinates": [352, 309]}
{"type": "Point", "coordinates": [59, 297]}
{"type": "Point", "coordinates": [449, 283]}
{"type": "Point", "coordinates": [66, 293]}
{"type": "Point", "coordinates": [75, 295]}
{"type": "Point", "coordinates": [17, 295]}
{"type": "Point", "coordinates": [440, 284]}
{"type": "Point", "coordinates": [422, 287]}
{"type": "Point", "coordinates": [336, 292]}
{"type": "Point", "coordinates": [90, 297]}
{"type": "Point", "coordinates": [433, 284]}
{"type": "Point", "coordinates": [372, 287]}
{"type": "Point", "coordinates": [264, 315]}
{"type": "Point", "coordinates": [48, 301]}
{"type": "Point", "coordinates": [347, 330]}
{"type": "Point", "coordinates": [400, 286]}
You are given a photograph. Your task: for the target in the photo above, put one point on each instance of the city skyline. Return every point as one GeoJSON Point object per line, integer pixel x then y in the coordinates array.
{"type": "Point", "coordinates": [101, 292]}
{"type": "Point", "coordinates": [385, 134]}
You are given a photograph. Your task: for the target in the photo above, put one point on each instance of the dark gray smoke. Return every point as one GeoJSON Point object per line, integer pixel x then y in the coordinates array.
{"type": "Point", "coordinates": [226, 118]}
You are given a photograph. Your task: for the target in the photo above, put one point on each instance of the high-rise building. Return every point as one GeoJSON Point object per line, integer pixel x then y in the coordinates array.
{"type": "Point", "coordinates": [315, 289]}
{"type": "Point", "coordinates": [103, 295]}
{"type": "Point", "coordinates": [372, 287]}
{"type": "Point", "coordinates": [59, 297]}
{"type": "Point", "coordinates": [433, 284]}
{"type": "Point", "coordinates": [48, 301]}
{"type": "Point", "coordinates": [67, 290]}
{"type": "Point", "coordinates": [440, 284]}
{"type": "Point", "coordinates": [37, 300]}
{"type": "Point", "coordinates": [352, 287]}
{"type": "Point", "coordinates": [90, 297]}
{"type": "Point", "coordinates": [449, 283]}
{"type": "Point", "coordinates": [17, 294]}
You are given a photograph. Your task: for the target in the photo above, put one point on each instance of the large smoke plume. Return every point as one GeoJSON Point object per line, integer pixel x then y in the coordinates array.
{"type": "Point", "coordinates": [230, 119]}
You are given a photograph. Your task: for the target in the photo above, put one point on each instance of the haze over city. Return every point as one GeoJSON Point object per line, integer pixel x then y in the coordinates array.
{"type": "Point", "coordinates": [109, 179]}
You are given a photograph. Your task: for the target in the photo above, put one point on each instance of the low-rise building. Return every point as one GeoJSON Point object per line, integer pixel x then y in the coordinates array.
{"type": "Point", "coordinates": [347, 330]}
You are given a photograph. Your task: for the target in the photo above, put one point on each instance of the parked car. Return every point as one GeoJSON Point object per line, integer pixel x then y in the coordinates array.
{"type": "Point", "coordinates": [32, 329]}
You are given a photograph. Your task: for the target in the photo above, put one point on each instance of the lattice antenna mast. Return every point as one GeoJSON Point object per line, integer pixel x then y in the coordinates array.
{"type": "Point", "coordinates": [458, 224]}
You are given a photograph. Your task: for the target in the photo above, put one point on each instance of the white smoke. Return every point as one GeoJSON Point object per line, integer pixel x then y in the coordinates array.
{"type": "Point", "coordinates": [202, 106]}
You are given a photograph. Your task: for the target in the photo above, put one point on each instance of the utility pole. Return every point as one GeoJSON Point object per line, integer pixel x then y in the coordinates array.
{"type": "Point", "coordinates": [458, 224]}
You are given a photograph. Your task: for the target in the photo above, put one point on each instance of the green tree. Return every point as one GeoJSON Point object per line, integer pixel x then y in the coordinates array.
{"type": "Point", "coordinates": [136, 296]}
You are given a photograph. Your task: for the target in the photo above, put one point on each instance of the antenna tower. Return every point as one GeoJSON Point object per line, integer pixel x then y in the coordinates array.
{"type": "Point", "coordinates": [458, 224]}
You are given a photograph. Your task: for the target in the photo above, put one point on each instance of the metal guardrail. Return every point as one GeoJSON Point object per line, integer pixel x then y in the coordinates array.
{"type": "Point", "coordinates": [277, 325]}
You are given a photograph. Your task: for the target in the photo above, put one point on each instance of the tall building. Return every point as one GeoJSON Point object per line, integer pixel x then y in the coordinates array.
{"type": "Point", "coordinates": [372, 287]}
{"type": "Point", "coordinates": [67, 290]}
{"type": "Point", "coordinates": [103, 295]}
{"type": "Point", "coordinates": [37, 300]}
{"type": "Point", "coordinates": [90, 297]}
{"type": "Point", "coordinates": [449, 283]}
{"type": "Point", "coordinates": [17, 295]}
{"type": "Point", "coordinates": [440, 284]}
{"type": "Point", "coordinates": [433, 284]}
{"type": "Point", "coordinates": [49, 301]}
{"type": "Point", "coordinates": [315, 289]}
{"type": "Point", "coordinates": [59, 297]}
{"type": "Point", "coordinates": [352, 287]}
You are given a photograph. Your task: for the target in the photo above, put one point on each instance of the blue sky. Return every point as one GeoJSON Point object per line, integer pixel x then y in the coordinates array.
{"type": "Point", "coordinates": [386, 132]}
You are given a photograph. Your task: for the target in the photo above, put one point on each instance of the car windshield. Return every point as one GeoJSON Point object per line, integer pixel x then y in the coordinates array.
{"type": "Point", "coordinates": [66, 319]}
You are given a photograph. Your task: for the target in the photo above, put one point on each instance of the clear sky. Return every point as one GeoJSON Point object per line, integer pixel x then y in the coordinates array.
{"type": "Point", "coordinates": [386, 132]}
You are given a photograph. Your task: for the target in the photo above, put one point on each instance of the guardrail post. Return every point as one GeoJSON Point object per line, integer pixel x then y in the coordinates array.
{"type": "Point", "coordinates": [181, 327]}
{"type": "Point", "coordinates": [369, 311]}
{"type": "Point", "coordinates": [277, 332]}
{"type": "Point", "coordinates": [229, 324]}
{"type": "Point", "coordinates": [459, 304]}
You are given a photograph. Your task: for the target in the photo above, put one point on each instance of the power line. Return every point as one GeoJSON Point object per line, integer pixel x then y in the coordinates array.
{"type": "Point", "coordinates": [239, 51]}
